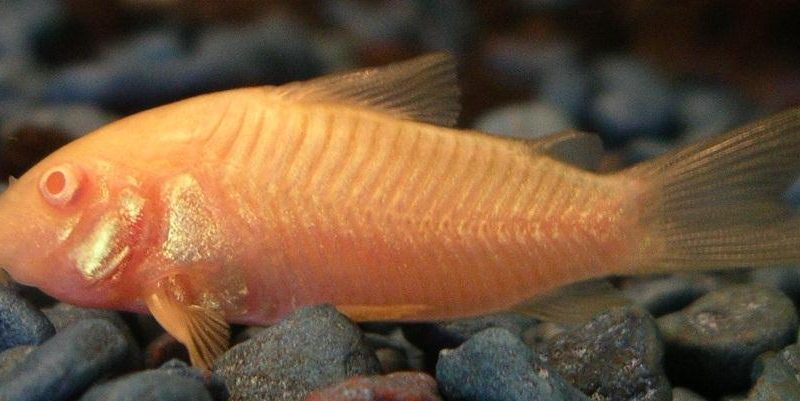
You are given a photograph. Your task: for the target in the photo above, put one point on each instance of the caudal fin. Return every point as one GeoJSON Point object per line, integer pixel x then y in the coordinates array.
{"type": "Point", "coordinates": [718, 203]}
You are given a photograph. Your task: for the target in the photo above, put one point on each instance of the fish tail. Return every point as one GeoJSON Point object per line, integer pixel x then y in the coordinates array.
{"type": "Point", "coordinates": [720, 203]}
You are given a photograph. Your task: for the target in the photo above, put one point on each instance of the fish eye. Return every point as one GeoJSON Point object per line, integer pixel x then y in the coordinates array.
{"type": "Point", "coordinates": [59, 185]}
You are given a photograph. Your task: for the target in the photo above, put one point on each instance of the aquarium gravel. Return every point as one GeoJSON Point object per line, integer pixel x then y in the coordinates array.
{"type": "Point", "coordinates": [645, 80]}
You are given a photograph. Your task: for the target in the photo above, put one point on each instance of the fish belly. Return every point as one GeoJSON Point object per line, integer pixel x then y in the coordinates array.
{"type": "Point", "coordinates": [399, 220]}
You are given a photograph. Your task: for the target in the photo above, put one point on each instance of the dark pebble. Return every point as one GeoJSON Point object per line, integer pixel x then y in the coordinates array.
{"type": "Point", "coordinates": [638, 150]}
{"type": "Point", "coordinates": [433, 337]}
{"type": "Point", "coordinates": [711, 345]}
{"type": "Point", "coordinates": [13, 356]}
{"type": "Point", "coordinates": [394, 352]}
{"type": "Point", "coordinates": [404, 386]}
{"type": "Point", "coordinates": [521, 63]}
{"type": "Point", "coordinates": [793, 195]}
{"type": "Point", "coordinates": [495, 365]}
{"type": "Point", "coordinates": [69, 362]}
{"type": "Point", "coordinates": [212, 382]}
{"type": "Point", "coordinates": [153, 385]}
{"type": "Point", "coordinates": [617, 356]}
{"type": "Point", "coordinates": [312, 348]}
{"type": "Point", "coordinates": [667, 294]}
{"type": "Point", "coordinates": [707, 110]}
{"type": "Point", "coordinates": [62, 315]}
{"type": "Point", "coordinates": [633, 99]}
{"type": "Point", "coordinates": [786, 279]}
{"type": "Point", "coordinates": [20, 322]}
{"type": "Point", "coordinates": [684, 394]}
{"type": "Point", "coordinates": [777, 375]}
{"type": "Point", "coordinates": [525, 120]}
{"type": "Point", "coordinates": [162, 349]}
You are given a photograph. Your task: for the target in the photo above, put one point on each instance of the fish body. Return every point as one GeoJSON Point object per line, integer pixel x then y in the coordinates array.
{"type": "Point", "coordinates": [240, 206]}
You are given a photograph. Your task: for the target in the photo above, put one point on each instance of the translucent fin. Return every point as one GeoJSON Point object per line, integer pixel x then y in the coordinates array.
{"type": "Point", "coordinates": [718, 203]}
{"type": "Point", "coordinates": [574, 147]}
{"type": "Point", "coordinates": [574, 303]}
{"type": "Point", "coordinates": [360, 313]}
{"type": "Point", "coordinates": [422, 89]}
{"type": "Point", "coordinates": [203, 331]}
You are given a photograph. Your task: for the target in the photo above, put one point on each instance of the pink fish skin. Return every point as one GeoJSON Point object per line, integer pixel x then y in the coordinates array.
{"type": "Point", "coordinates": [240, 206]}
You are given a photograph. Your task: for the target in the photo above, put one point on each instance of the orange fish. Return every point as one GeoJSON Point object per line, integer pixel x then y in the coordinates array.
{"type": "Point", "coordinates": [353, 189]}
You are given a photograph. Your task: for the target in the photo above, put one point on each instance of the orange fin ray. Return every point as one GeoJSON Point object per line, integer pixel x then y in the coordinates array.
{"type": "Point", "coordinates": [202, 330]}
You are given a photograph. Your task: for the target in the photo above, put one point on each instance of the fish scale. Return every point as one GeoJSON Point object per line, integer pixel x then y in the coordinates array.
{"type": "Point", "coordinates": [432, 175]}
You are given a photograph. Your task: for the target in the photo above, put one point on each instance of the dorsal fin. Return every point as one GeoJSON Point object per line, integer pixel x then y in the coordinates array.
{"type": "Point", "coordinates": [573, 147]}
{"type": "Point", "coordinates": [421, 89]}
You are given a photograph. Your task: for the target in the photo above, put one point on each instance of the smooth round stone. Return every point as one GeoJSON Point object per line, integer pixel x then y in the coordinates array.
{"type": "Point", "coordinates": [163, 349]}
{"type": "Point", "coordinates": [785, 279]}
{"type": "Point", "coordinates": [526, 120]}
{"type": "Point", "coordinates": [711, 344]}
{"type": "Point", "coordinates": [792, 195]}
{"type": "Point", "coordinates": [156, 46]}
{"type": "Point", "coordinates": [684, 394]}
{"type": "Point", "coordinates": [495, 365]}
{"type": "Point", "coordinates": [73, 119]}
{"type": "Point", "coordinates": [12, 357]}
{"type": "Point", "coordinates": [433, 337]}
{"type": "Point", "coordinates": [68, 363]}
{"type": "Point", "coordinates": [374, 22]}
{"type": "Point", "coordinates": [310, 349]}
{"type": "Point", "coordinates": [707, 110]}
{"type": "Point", "coordinates": [403, 386]}
{"type": "Point", "coordinates": [777, 376]}
{"type": "Point", "coordinates": [20, 322]}
{"type": "Point", "coordinates": [391, 353]}
{"type": "Point", "coordinates": [667, 294]}
{"type": "Point", "coordinates": [446, 25]}
{"type": "Point", "coordinates": [211, 381]}
{"type": "Point", "coordinates": [63, 315]}
{"type": "Point", "coordinates": [617, 356]}
{"type": "Point", "coordinates": [633, 99]}
{"type": "Point", "coordinates": [638, 150]}
{"type": "Point", "coordinates": [567, 88]}
{"type": "Point", "coordinates": [523, 63]}
{"type": "Point", "coordinates": [154, 385]}
{"type": "Point", "coordinates": [83, 83]}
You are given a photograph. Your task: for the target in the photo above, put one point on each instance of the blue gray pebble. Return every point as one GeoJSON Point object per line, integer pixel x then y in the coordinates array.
{"type": "Point", "coordinates": [711, 345]}
{"type": "Point", "coordinates": [617, 356]}
{"type": "Point", "coordinates": [62, 315]}
{"type": "Point", "coordinates": [667, 294]}
{"type": "Point", "coordinates": [786, 279]}
{"type": "Point", "coordinates": [525, 120]}
{"type": "Point", "coordinates": [523, 64]}
{"type": "Point", "coordinates": [213, 382]}
{"type": "Point", "coordinates": [20, 322]}
{"type": "Point", "coordinates": [69, 362]}
{"type": "Point", "coordinates": [433, 337]}
{"type": "Point", "coordinates": [707, 110]}
{"type": "Point", "coordinates": [311, 348]}
{"type": "Point", "coordinates": [495, 365]}
{"type": "Point", "coordinates": [152, 385]}
{"type": "Point", "coordinates": [633, 99]}
{"type": "Point", "coordinates": [13, 356]}
{"type": "Point", "coordinates": [684, 394]}
{"type": "Point", "coordinates": [777, 376]}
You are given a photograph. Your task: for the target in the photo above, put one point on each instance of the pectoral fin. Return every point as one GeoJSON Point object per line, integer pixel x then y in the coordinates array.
{"type": "Point", "coordinates": [202, 330]}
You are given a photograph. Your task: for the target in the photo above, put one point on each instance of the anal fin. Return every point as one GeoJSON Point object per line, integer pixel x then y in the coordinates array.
{"type": "Point", "coordinates": [203, 331]}
{"type": "Point", "coordinates": [574, 303]}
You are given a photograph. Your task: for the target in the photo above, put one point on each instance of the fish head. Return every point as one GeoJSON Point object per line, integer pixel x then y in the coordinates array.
{"type": "Point", "coordinates": [70, 226]}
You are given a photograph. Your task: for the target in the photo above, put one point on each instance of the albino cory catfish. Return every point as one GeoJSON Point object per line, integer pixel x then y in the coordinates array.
{"type": "Point", "coordinates": [240, 206]}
